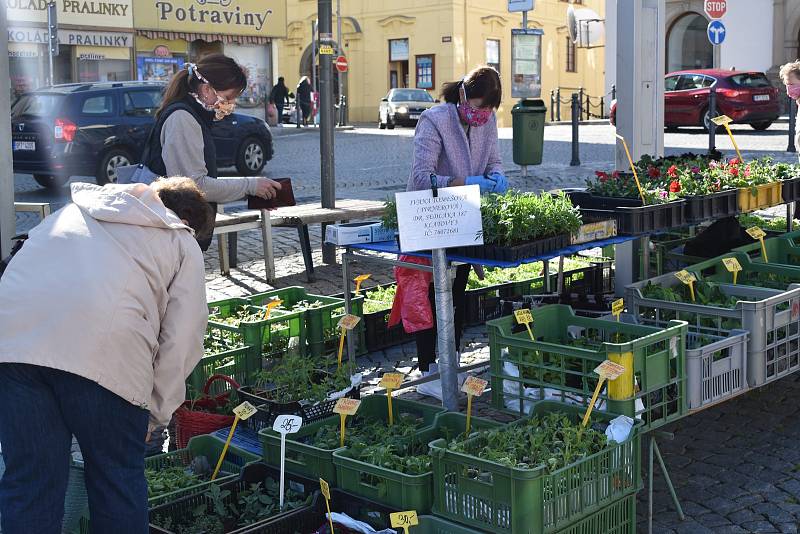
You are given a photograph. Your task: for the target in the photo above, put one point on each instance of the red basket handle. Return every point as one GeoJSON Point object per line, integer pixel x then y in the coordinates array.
{"type": "Point", "coordinates": [212, 378]}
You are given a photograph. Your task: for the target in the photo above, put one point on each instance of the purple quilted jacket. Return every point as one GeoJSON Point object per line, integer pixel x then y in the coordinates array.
{"type": "Point", "coordinates": [442, 147]}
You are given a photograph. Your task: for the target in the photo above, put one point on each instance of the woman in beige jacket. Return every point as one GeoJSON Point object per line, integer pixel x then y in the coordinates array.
{"type": "Point", "coordinates": [103, 313]}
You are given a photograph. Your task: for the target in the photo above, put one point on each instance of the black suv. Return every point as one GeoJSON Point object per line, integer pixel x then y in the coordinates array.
{"type": "Point", "coordinates": [90, 129]}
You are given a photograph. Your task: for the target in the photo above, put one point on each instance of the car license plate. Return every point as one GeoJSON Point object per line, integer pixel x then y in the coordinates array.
{"type": "Point", "coordinates": [24, 145]}
{"type": "Point", "coordinates": [761, 98]}
{"type": "Point", "coordinates": [414, 116]}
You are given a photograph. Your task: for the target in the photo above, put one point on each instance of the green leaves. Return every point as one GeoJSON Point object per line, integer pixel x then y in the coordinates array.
{"type": "Point", "coordinates": [515, 218]}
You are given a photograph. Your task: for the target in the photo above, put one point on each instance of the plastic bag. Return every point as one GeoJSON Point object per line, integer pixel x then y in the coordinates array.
{"type": "Point", "coordinates": [272, 114]}
{"type": "Point", "coordinates": [411, 304]}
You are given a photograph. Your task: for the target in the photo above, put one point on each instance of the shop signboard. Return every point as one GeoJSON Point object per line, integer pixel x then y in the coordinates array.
{"type": "Point", "coordinates": [29, 34]}
{"type": "Point", "coordinates": [101, 13]}
{"type": "Point", "coordinates": [263, 18]}
{"type": "Point", "coordinates": [526, 63]}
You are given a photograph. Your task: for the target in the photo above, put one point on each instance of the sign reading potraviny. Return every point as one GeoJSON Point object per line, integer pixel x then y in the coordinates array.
{"type": "Point", "coordinates": [451, 219]}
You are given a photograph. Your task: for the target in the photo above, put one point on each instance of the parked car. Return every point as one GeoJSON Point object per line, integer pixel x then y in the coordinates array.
{"type": "Point", "coordinates": [744, 96]}
{"type": "Point", "coordinates": [403, 106]}
{"type": "Point", "coordinates": [91, 129]}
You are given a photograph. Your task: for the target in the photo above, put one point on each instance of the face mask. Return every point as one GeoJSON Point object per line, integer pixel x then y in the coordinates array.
{"type": "Point", "coordinates": [793, 90]}
{"type": "Point", "coordinates": [471, 115]}
{"type": "Point", "coordinates": [221, 107]}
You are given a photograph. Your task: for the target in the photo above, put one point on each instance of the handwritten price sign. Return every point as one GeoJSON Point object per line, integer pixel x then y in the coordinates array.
{"type": "Point", "coordinates": [348, 322]}
{"type": "Point", "coordinates": [347, 406]}
{"type": "Point", "coordinates": [404, 520]}
{"type": "Point", "coordinates": [391, 380]}
{"type": "Point", "coordinates": [525, 317]}
{"type": "Point", "coordinates": [245, 410]}
{"type": "Point", "coordinates": [609, 370]}
{"type": "Point", "coordinates": [287, 424]}
{"type": "Point", "coordinates": [474, 386]}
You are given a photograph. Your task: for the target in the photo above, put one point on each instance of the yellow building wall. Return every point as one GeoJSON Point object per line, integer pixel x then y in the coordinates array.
{"type": "Point", "coordinates": [426, 23]}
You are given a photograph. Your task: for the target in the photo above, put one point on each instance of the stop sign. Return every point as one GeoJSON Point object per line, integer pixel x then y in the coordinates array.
{"type": "Point", "coordinates": [341, 64]}
{"type": "Point", "coordinates": [715, 9]}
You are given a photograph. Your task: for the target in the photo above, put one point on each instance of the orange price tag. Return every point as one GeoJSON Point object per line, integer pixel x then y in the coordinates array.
{"type": "Point", "coordinates": [359, 280]}
{"type": "Point", "coordinates": [346, 406]}
{"type": "Point", "coordinates": [474, 386]}
{"type": "Point", "coordinates": [391, 380]}
{"type": "Point", "coordinates": [349, 321]}
{"type": "Point", "coordinates": [272, 304]}
{"type": "Point", "coordinates": [326, 492]}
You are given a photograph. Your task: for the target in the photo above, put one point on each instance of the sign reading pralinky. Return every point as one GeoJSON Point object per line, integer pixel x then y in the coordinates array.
{"type": "Point", "coordinates": [235, 17]}
{"type": "Point", "coordinates": [70, 37]}
{"type": "Point", "coordinates": [107, 13]}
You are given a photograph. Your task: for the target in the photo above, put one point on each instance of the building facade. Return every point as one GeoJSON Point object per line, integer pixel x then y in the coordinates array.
{"type": "Point", "coordinates": [95, 42]}
{"type": "Point", "coordinates": [424, 43]}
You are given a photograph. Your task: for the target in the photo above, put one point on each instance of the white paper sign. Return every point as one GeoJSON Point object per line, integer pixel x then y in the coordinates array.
{"type": "Point", "coordinates": [285, 424]}
{"type": "Point", "coordinates": [453, 219]}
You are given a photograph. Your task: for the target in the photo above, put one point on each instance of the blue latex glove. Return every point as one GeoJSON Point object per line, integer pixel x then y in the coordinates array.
{"type": "Point", "coordinates": [487, 185]}
{"type": "Point", "coordinates": [501, 182]}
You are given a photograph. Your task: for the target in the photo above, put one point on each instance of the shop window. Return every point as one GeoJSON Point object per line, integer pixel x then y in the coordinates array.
{"type": "Point", "coordinates": [425, 66]}
{"type": "Point", "coordinates": [142, 103]}
{"type": "Point", "coordinates": [493, 53]}
{"type": "Point", "coordinates": [572, 56]}
{"type": "Point", "coordinates": [97, 105]}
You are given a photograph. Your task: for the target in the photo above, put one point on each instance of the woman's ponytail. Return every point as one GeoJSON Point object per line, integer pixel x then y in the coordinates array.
{"type": "Point", "coordinates": [177, 90]}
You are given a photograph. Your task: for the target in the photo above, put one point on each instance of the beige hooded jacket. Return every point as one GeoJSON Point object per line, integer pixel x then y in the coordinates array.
{"type": "Point", "coordinates": [111, 288]}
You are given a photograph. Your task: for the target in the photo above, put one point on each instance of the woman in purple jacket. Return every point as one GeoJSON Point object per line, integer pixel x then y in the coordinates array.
{"type": "Point", "coordinates": [457, 141]}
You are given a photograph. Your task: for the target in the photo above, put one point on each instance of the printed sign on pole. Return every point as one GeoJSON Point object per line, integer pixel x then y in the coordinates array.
{"type": "Point", "coordinates": [451, 219]}
{"type": "Point", "coordinates": [515, 6]}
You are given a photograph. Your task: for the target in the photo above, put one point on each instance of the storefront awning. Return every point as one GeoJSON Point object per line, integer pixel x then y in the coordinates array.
{"type": "Point", "coordinates": [208, 37]}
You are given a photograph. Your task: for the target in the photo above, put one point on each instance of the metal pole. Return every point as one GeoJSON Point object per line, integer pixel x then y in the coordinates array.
{"type": "Point", "coordinates": [52, 38]}
{"type": "Point", "coordinates": [580, 100]}
{"type": "Point", "coordinates": [613, 92]}
{"type": "Point", "coordinates": [792, 125]}
{"type": "Point", "coordinates": [446, 334]}
{"type": "Point", "coordinates": [7, 216]}
{"type": "Point", "coordinates": [576, 117]}
{"type": "Point", "coordinates": [524, 20]}
{"type": "Point", "coordinates": [558, 104]}
{"type": "Point", "coordinates": [712, 112]}
{"type": "Point", "coordinates": [602, 107]}
{"type": "Point", "coordinates": [340, 51]}
{"type": "Point", "coordinates": [314, 44]}
{"type": "Point", "coordinates": [552, 105]}
{"type": "Point", "coordinates": [326, 121]}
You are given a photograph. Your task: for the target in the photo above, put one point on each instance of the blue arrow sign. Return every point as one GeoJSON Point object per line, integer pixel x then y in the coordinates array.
{"type": "Point", "coordinates": [716, 32]}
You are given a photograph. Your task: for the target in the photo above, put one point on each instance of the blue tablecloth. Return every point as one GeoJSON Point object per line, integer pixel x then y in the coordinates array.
{"type": "Point", "coordinates": [391, 247]}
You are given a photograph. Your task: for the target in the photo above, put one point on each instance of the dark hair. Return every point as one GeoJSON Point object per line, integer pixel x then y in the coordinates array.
{"type": "Point", "coordinates": [183, 197]}
{"type": "Point", "coordinates": [280, 80]}
{"type": "Point", "coordinates": [222, 73]}
{"type": "Point", "coordinates": [481, 82]}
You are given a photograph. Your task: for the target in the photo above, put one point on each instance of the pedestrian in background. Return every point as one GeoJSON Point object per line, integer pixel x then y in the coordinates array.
{"type": "Point", "coordinates": [98, 348]}
{"type": "Point", "coordinates": [181, 143]}
{"type": "Point", "coordinates": [456, 141]}
{"type": "Point", "coordinates": [790, 75]}
{"type": "Point", "coordinates": [280, 97]}
{"type": "Point", "coordinates": [304, 99]}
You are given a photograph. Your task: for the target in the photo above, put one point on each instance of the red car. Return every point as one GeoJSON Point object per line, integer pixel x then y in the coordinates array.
{"type": "Point", "coordinates": [746, 97]}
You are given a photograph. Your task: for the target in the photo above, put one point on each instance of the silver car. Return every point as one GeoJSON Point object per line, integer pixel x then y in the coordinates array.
{"type": "Point", "coordinates": [403, 107]}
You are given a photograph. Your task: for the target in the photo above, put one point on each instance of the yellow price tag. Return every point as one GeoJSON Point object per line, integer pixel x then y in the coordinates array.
{"type": "Point", "coordinates": [391, 381]}
{"type": "Point", "coordinates": [633, 167]}
{"type": "Point", "coordinates": [617, 307]}
{"type": "Point", "coordinates": [733, 266]}
{"type": "Point", "coordinates": [326, 492]}
{"type": "Point", "coordinates": [757, 233]}
{"type": "Point", "coordinates": [345, 407]}
{"type": "Point", "coordinates": [404, 520]}
{"type": "Point", "coordinates": [724, 120]}
{"type": "Point", "coordinates": [272, 304]}
{"type": "Point", "coordinates": [525, 317]}
{"type": "Point", "coordinates": [359, 280]}
{"type": "Point", "coordinates": [326, 50]}
{"type": "Point", "coordinates": [244, 411]}
{"type": "Point", "coordinates": [349, 321]}
{"type": "Point", "coordinates": [689, 279]}
{"type": "Point", "coordinates": [607, 370]}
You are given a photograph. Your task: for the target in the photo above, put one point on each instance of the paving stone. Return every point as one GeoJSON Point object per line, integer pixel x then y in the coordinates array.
{"type": "Point", "coordinates": [760, 526]}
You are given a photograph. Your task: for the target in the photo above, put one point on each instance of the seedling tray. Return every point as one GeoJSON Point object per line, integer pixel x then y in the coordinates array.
{"type": "Point", "coordinates": [394, 488]}
{"type": "Point", "coordinates": [568, 348]}
{"type": "Point", "coordinates": [764, 196]}
{"type": "Point", "coordinates": [631, 216]}
{"type": "Point", "coordinates": [770, 316]}
{"type": "Point", "coordinates": [497, 498]}
{"type": "Point", "coordinates": [305, 459]}
{"type": "Point", "coordinates": [701, 208]}
{"type": "Point", "coordinates": [790, 190]}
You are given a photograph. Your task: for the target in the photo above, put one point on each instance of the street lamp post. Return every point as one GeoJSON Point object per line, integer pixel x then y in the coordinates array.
{"type": "Point", "coordinates": [326, 118]}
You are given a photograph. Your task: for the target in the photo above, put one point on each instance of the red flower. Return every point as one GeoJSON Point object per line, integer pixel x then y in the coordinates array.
{"type": "Point", "coordinates": [734, 171]}
{"type": "Point", "coordinates": [673, 171]}
{"type": "Point", "coordinates": [603, 179]}
{"type": "Point", "coordinates": [615, 174]}
{"type": "Point", "coordinates": [734, 161]}
{"type": "Point", "coordinates": [675, 186]}
{"type": "Point", "coordinates": [747, 171]}
{"type": "Point", "coordinates": [601, 175]}
{"type": "Point", "coordinates": [653, 172]}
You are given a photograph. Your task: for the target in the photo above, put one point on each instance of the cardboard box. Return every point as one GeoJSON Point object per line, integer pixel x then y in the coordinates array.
{"type": "Point", "coordinates": [359, 232]}
{"type": "Point", "coordinates": [595, 231]}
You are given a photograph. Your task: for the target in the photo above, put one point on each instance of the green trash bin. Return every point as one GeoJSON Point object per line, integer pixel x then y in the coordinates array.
{"type": "Point", "coordinates": [528, 118]}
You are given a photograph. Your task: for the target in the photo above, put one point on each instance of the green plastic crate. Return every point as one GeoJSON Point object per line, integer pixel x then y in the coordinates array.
{"type": "Point", "coordinates": [616, 518]}
{"type": "Point", "coordinates": [207, 446]}
{"type": "Point", "coordinates": [429, 524]}
{"type": "Point", "coordinates": [305, 459]}
{"type": "Point", "coordinates": [270, 337]}
{"type": "Point", "coordinates": [395, 489]}
{"type": "Point", "coordinates": [783, 250]}
{"type": "Point", "coordinates": [322, 334]}
{"type": "Point", "coordinates": [233, 363]}
{"type": "Point", "coordinates": [556, 361]}
{"type": "Point", "coordinates": [493, 497]}
{"type": "Point", "coordinates": [769, 275]}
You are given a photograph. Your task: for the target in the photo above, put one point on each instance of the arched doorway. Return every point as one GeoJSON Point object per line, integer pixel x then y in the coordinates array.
{"type": "Point", "coordinates": [305, 70]}
{"type": "Point", "coordinates": [688, 46]}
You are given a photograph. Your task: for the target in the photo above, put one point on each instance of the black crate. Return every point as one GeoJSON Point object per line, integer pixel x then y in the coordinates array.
{"type": "Point", "coordinates": [791, 190]}
{"type": "Point", "coordinates": [714, 206]}
{"type": "Point", "coordinates": [631, 216]}
{"type": "Point", "coordinates": [516, 253]}
{"type": "Point", "coordinates": [483, 304]}
{"type": "Point", "coordinates": [378, 333]}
